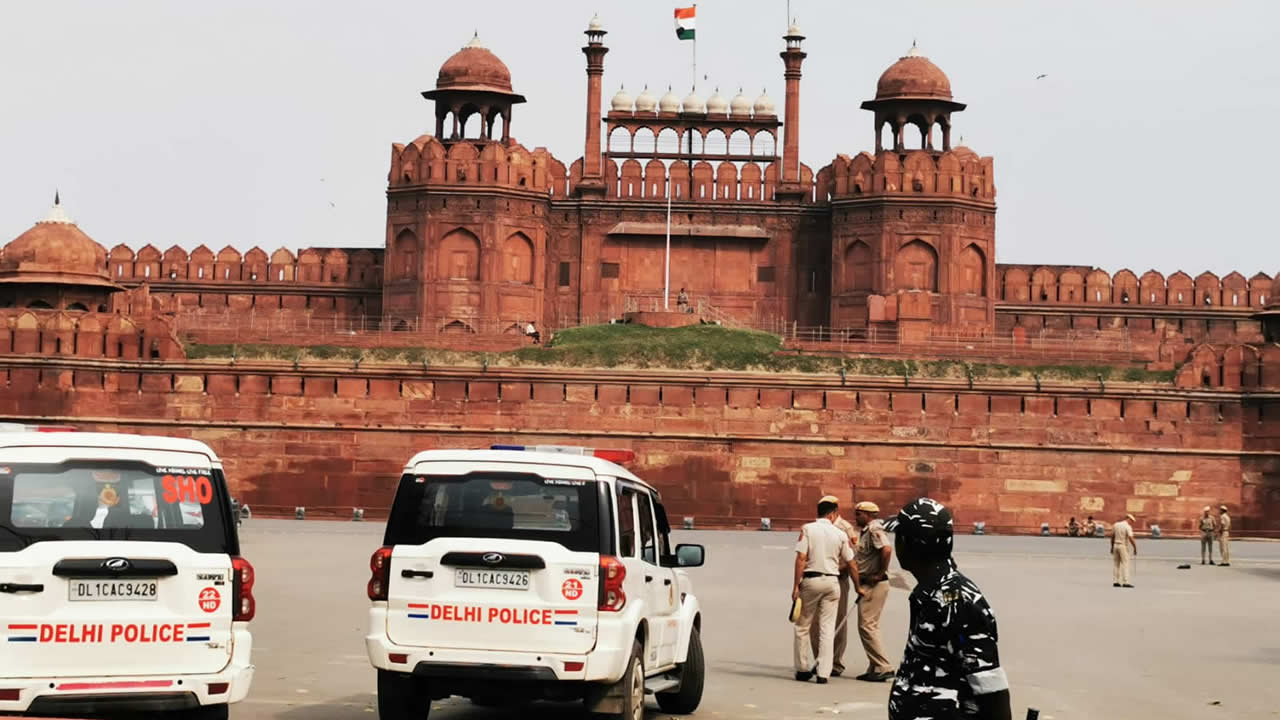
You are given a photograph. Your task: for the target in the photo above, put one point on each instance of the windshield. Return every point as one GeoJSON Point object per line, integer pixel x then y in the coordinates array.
{"type": "Point", "coordinates": [496, 505]}
{"type": "Point", "coordinates": [114, 501]}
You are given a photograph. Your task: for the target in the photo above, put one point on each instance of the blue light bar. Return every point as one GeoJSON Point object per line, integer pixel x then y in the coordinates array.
{"type": "Point", "coordinates": [507, 447]}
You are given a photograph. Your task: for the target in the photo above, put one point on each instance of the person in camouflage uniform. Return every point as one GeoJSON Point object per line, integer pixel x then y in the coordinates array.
{"type": "Point", "coordinates": [950, 669]}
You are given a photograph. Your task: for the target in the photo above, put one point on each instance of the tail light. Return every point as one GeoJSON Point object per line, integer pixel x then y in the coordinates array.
{"type": "Point", "coordinates": [380, 567]}
{"type": "Point", "coordinates": [244, 607]}
{"type": "Point", "coordinates": [612, 573]}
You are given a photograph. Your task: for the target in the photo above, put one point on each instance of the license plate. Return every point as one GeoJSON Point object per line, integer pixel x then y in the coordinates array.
{"type": "Point", "coordinates": [498, 579]}
{"type": "Point", "coordinates": [80, 590]}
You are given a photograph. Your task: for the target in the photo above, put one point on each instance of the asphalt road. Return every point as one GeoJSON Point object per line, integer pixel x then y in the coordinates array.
{"type": "Point", "coordinates": [1198, 643]}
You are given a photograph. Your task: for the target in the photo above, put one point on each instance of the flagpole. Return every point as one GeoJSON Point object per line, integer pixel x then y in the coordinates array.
{"type": "Point", "coordinates": [695, 48]}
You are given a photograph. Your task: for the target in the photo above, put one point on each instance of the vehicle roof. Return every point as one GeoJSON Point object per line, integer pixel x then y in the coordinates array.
{"type": "Point", "coordinates": [124, 441]}
{"type": "Point", "coordinates": [595, 464]}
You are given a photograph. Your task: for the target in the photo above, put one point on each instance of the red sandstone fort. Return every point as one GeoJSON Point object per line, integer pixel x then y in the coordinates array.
{"type": "Point", "coordinates": [889, 253]}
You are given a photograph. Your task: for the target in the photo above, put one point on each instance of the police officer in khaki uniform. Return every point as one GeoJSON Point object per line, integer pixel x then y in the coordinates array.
{"type": "Point", "coordinates": [822, 551]}
{"type": "Point", "coordinates": [871, 555]}
{"type": "Point", "coordinates": [1224, 536]}
{"type": "Point", "coordinates": [1121, 542]}
{"type": "Point", "coordinates": [1207, 530]}
{"type": "Point", "coordinates": [842, 626]}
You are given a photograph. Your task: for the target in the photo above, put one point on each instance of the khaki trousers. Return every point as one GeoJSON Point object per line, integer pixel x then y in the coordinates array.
{"type": "Point", "coordinates": [869, 609]}
{"type": "Point", "coordinates": [819, 599]}
{"type": "Point", "coordinates": [1224, 546]}
{"type": "Point", "coordinates": [842, 628]}
{"type": "Point", "coordinates": [1120, 564]}
{"type": "Point", "coordinates": [1206, 545]}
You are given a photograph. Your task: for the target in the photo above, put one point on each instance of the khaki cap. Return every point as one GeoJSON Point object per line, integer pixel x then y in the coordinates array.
{"type": "Point", "coordinates": [830, 499]}
{"type": "Point", "coordinates": [867, 506]}
{"type": "Point", "coordinates": [1207, 508]}
{"type": "Point", "coordinates": [1131, 518]}
{"type": "Point", "coordinates": [1222, 507]}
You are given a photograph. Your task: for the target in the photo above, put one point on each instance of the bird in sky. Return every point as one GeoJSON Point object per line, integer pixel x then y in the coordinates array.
{"type": "Point", "coordinates": [1042, 75]}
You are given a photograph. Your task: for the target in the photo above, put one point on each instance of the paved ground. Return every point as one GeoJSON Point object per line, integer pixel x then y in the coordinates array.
{"type": "Point", "coordinates": [1199, 643]}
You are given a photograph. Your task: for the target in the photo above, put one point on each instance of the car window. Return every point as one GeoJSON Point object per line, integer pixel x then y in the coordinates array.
{"type": "Point", "coordinates": [495, 505]}
{"type": "Point", "coordinates": [626, 523]}
{"type": "Point", "coordinates": [664, 531]}
{"type": "Point", "coordinates": [115, 501]}
{"type": "Point", "coordinates": [648, 539]}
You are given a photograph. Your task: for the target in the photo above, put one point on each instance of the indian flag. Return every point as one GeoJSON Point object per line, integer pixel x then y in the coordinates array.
{"type": "Point", "coordinates": [684, 22]}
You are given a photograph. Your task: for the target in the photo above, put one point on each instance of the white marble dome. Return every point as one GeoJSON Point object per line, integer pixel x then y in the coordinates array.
{"type": "Point", "coordinates": [693, 103]}
{"type": "Point", "coordinates": [669, 103]}
{"type": "Point", "coordinates": [645, 101]}
{"type": "Point", "coordinates": [740, 106]}
{"type": "Point", "coordinates": [764, 106]}
{"type": "Point", "coordinates": [621, 101]}
{"type": "Point", "coordinates": [716, 104]}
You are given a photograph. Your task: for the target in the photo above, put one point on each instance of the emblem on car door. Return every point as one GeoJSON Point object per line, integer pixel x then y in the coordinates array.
{"type": "Point", "coordinates": [492, 558]}
{"type": "Point", "coordinates": [116, 564]}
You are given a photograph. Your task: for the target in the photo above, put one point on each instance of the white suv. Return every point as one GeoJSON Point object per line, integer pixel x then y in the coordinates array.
{"type": "Point", "coordinates": [515, 574]}
{"type": "Point", "coordinates": [121, 585]}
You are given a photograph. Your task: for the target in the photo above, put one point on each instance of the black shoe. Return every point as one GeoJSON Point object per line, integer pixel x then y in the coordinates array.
{"type": "Point", "coordinates": [1202, 562]}
{"type": "Point", "coordinates": [1126, 585]}
{"type": "Point", "coordinates": [804, 676]}
{"type": "Point", "coordinates": [1212, 562]}
{"type": "Point", "coordinates": [822, 681]}
{"type": "Point", "coordinates": [876, 677]}
{"type": "Point", "coordinates": [1115, 584]}
{"type": "Point", "coordinates": [837, 673]}
{"type": "Point", "coordinates": [1224, 564]}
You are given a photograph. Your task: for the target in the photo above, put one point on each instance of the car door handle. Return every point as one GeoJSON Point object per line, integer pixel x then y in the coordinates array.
{"type": "Point", "coordinates": [20, 588]}
{"type": "Point", "coordinates": [667, 581]}
{"type": "Point", "coordinates": [417, 574]}
{"type": "Point", "coordinates": [648, 578]}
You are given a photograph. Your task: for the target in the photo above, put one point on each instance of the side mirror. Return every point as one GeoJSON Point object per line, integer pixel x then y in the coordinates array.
{"type": "Point", "coordinates": [690, 556]}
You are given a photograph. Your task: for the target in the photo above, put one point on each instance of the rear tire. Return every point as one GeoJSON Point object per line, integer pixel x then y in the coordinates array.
{"type": "Point", "coordinates": [402, 697]}
{"type": "Point", "coordinates": [692, 678]}
{"type": "Point", "coordinates": [207, 712]}
{"type": "Point", "coordinates": [632, 688]}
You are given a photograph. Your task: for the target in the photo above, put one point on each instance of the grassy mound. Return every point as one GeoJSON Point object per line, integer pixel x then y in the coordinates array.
{"type": "Point", "coordinates": [697, 347]}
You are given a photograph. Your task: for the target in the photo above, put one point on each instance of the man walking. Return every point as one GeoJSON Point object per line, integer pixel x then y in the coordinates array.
{"type": "Point", "coordinates": [1224, 536]}
{"type": "Point", "coordinates": [1207, 530]}
{"type": "Point", "coordinates": [1121, 541]}
{"type": "Point", "coordinates": [951, 666]}
{"type": "Point", "coordinates": [821, 552]}
{"type": "Point", "coordinates": [871, 555]}
{"type": "Point", "coordinates": [846, 582]}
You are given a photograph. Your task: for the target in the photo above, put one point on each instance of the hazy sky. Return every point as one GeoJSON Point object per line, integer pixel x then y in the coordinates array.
{"type": "Point", "coordinates": [1152, 142]}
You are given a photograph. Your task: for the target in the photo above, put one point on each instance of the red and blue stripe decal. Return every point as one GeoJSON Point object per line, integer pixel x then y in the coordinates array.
{"type": "Point", "coordinates": [198, 627]}
{"type": "Point", "coordinates": [424, 611]}
{"type": "Point", "coordinates": [22, 635]}
{"type": "Point", "coordinates": [566, 617]}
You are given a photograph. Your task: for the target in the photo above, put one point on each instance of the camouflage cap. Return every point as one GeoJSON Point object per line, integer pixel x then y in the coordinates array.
{"type": "Point", "coordinates": [924, 521]}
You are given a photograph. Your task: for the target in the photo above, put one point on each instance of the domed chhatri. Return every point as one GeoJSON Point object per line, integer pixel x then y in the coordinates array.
{"type": "Point", "coordinates": [621, 101]}
{"type": "Point", "coordinates": [693, 103]}
{"type": "Point", "coordinates": [645, 101]}
{"type": "Point", "coordinates": [669, 103]}
{"type": "Point", "coordinates": [473, 81]}
{"type": "Point", "coordinates": [59, 251]}
{"type": "Point", "coordinates": [764, 106]}
{"type": "Point", "coordinates": [740, 106]}
{"type": "Point", "coordinates": [913, 76]}
{"type": "Point", "coordinates": [474, 67]}
{"type": "Point", "coordinates": [717, 104]}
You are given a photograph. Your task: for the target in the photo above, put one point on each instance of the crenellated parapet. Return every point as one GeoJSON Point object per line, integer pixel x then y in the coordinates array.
{"type": "Point", "coordinates": [55, 333]}
{"type": "Point", "coordinates": [1079, 285]}
{"type": "Point", "coordinates": [312, 266]}
{"type": "Point", "coordinates": [958, 173]}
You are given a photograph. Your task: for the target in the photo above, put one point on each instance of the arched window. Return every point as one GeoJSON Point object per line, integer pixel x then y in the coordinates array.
{"type": "Point", "coordinates": [858, 267]}
{"type": "Point", "coordinates": [459, 257]}
{"type": "Point", "coordinates": [39, 305]}
{"type": "Point", "coordinates": [77, 307]}
{"type": "Point", "coordinates": [972, 265]}
{"type": "Point", "coordinates": [406, 254]}
{"type": "Point", "coordinates": [916, 267]}
{"type": "Point", "coordinates": [517, 260]}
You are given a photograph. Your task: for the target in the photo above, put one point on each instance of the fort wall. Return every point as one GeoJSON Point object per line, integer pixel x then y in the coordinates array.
{"type": "Point", "coordinates": [727, 449]}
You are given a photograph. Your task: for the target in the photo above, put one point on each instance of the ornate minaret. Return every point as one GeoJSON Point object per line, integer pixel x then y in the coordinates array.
{"type": "Point", "coordinates": [592, 182]}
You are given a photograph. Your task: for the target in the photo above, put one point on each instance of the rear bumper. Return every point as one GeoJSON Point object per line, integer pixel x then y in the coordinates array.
{"type": "Point", "coordinates": [132, 693]}
{"type": "Point", "coordinates": [465, 665]}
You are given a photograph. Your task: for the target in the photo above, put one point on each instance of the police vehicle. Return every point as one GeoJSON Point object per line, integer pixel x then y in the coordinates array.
{"type": "Point", "coordinates": [121, 584]}
{"type": "Point", "coordinates": [522, 573]}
